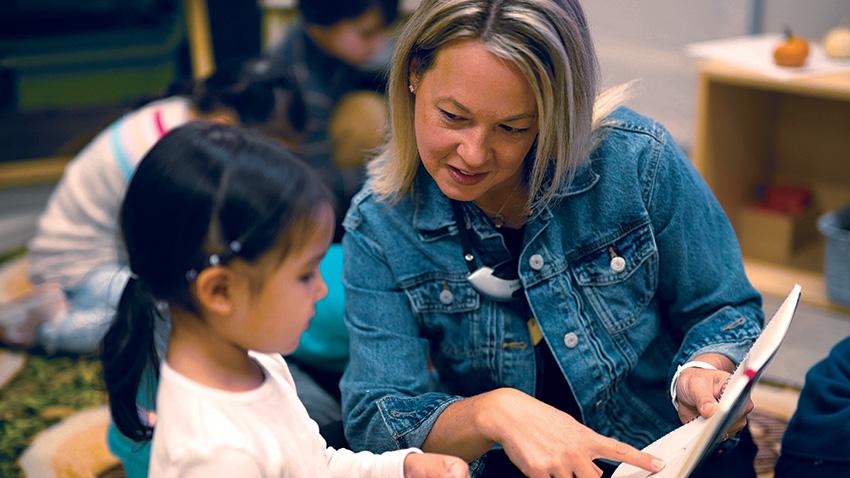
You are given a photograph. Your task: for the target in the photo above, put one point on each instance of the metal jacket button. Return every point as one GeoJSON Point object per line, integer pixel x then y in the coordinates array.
{"type": "Point", "coordinates": [618, 264]}
{"type": "Point", "coordinates": [536, 262]}
{"type": "Point", "coordinates": [571, 340]}
{"type": "Point", "coordinates": [446, 296]}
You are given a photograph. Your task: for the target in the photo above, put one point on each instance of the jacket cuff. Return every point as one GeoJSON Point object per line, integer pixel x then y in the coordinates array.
{"type": "Point", "coordinates": [728, 332]}
{"type": "Point", "coordinates": [410, 419]}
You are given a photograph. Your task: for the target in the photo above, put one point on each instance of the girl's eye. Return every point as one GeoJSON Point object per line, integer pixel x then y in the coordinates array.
{"type": "Point", "coordinates": [306, 278]}
{"type": "Point", "coordinates": [511, 129]}
{"type": "Point", "coordinates": [450, 116]}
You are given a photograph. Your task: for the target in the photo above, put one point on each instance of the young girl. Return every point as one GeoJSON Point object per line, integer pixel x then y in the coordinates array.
{"type": "Point", "coordinates": [225, 230]}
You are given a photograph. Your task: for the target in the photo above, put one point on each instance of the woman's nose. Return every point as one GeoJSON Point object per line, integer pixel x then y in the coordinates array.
{"type": "Point", "coordinates": [474, 148]}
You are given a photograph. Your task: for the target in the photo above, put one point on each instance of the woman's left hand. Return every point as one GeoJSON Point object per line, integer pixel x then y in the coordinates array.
{"type": "Point", "coordinates": [698, 391]}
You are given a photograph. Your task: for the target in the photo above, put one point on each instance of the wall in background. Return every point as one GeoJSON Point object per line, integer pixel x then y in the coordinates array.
{"type": "Point", "coordinates": [809, 19]}
{"type": "Point", "coordinates": [645, 40]}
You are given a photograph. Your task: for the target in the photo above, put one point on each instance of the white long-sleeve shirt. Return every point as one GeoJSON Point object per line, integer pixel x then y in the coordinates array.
{"type": "Point", "coordinates": [78, 232]}
{"type": "Point", "coordinates": [265, 432]}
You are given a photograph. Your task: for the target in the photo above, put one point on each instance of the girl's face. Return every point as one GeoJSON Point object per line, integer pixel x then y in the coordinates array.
{"type": "Point", "coordinates": [475, 121]}
{"type": "Point", "coordinates": [281, 311]}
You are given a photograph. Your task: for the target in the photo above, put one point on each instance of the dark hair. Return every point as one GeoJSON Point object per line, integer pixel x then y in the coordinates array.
{"type": "Point", "coordinates": [254, 89]}
{"type": "Point", "coordinates": [204, 189]}
{"type": "Point", "coordinates": [329, 12]}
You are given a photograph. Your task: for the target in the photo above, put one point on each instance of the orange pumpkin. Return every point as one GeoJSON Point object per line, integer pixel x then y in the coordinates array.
{"type": "Point", "coordinates": [792, 52]}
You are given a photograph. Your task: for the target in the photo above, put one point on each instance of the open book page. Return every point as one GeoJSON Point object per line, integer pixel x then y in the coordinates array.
{"type": "Point", "coordinates": [685, 447]}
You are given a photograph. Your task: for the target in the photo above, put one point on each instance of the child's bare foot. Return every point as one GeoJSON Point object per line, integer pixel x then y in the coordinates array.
{"type": "Point", "coordinates": [20, 318]}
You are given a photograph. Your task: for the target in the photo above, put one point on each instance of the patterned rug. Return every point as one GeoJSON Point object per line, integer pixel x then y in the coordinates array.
{"type": "Point", "coordinates": [774, 406]}
{"type": "Point", "coordinates": [11, 363]}
{"type": "Point", "coordinates": [767, 432]}
{"type": "Point", "coordinates": [45, 393]}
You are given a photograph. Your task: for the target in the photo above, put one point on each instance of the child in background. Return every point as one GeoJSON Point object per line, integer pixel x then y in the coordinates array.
{"type": "Point", "coordinates": [334, 52]}
{"type": "Point", "coordinates": [225, 230]}
{"type": "Point", "coordinates": [75, 258]}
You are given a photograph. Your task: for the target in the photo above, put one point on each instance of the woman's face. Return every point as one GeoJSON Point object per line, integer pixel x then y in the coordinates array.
{"type": "Point", "coordinates": [475, 120]}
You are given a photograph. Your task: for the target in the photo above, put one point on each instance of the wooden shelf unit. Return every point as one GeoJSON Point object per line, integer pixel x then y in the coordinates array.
{"type": "Point", "coordinates": [752, 130]}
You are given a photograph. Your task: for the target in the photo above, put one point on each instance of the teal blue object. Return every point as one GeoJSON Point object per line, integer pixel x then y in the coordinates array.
{"type": "Point", "coordinates": [325, 342]}
{"type": "Point", "coordinates": [135, 456]}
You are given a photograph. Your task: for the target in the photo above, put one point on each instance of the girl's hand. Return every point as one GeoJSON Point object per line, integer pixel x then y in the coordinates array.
{"type": "Point", "coordinates": [543, 441]}
{"type": "Point", "coordinates": [433, 465]}
{"type": "Point", "coordinates": [698, 391]}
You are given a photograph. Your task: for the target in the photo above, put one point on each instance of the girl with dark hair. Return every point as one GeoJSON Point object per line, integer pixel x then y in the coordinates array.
{"type": "Point", "coordinates": [74, 258]}
{"type": "Point", "coordinates": [224, 232]}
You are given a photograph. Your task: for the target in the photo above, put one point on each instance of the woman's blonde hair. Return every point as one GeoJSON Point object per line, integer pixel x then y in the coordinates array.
{"type": "Point", "coordinates": [548, 40]}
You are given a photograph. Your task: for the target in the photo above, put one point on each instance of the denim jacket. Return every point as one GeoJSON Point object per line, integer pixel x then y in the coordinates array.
{"type": "Point", "coordinates": [617, 333]}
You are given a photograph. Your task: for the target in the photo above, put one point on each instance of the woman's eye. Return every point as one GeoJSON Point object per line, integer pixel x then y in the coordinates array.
{"type": "Point", "coordinates": [450, 116]}
{"type": "Point", "coordinates": [511, 129]}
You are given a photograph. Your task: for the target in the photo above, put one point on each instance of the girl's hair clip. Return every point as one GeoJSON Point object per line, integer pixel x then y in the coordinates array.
{"type": "Point", "coordinates": [215, 259]}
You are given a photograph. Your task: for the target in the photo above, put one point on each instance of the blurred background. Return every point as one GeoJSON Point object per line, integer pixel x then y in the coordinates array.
{"type": "Point", "coordinates": [69, 68]}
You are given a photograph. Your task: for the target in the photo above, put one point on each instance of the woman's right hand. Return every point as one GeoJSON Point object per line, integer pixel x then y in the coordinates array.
{"type": "Point", "coordinates": [434, 465]}
{"type": "Point", "coordinates": [543, 441]}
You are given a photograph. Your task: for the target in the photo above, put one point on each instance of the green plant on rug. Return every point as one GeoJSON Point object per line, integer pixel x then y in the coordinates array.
{"type": "Point", "coordinates": [47, 390]}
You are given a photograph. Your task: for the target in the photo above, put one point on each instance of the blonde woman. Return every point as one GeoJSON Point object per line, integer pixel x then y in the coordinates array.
{"type": "Point", "coordinates": [532, 271]}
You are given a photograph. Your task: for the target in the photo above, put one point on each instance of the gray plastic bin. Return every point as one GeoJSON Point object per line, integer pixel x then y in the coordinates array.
{"type": "Point", "coordinates": [835, 226]}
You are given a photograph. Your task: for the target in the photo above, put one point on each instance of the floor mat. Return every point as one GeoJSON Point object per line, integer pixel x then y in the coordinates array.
{"type": "Point", "coordinates": [13, 279]}
{"type": "Point", "coordinates": [11, 363]}
{"type": "Point", "coordinates": [48, 390]}
{"type": "Point", "coordinates": [774, 407]}
{"type": "Point", "coordinates": [75, 447]}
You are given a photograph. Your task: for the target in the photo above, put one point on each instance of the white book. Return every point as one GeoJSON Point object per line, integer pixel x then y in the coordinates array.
{"type": "Point", "coordinates": [684, 448]}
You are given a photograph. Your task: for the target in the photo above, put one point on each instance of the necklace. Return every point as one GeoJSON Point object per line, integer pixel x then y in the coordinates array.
{"type": "Point", "coordinates": [498, 218]}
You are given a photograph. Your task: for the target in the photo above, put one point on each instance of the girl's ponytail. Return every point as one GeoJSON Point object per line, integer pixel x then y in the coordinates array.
{"type": "Point", "coordinates": [127, 350]}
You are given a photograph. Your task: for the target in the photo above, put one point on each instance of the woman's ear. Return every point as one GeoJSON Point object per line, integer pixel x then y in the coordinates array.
{"type": "Point", "coordinates": [214, 291]}
{"type": "Point", "coordinates": [412, 79]}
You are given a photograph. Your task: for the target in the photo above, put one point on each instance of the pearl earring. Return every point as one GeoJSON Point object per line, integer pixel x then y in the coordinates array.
{"type": "Point", "coordinates": [411, 88]}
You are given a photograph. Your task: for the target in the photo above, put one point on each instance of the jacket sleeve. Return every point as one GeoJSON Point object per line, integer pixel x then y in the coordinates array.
{"type": "Point", "coordinates": [387, 398]}
{"type": "Point", "coordinates": [705, 293]}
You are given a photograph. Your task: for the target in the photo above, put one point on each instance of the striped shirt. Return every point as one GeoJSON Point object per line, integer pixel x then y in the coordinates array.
{"type": "Point", "coordinates": [78, 232]}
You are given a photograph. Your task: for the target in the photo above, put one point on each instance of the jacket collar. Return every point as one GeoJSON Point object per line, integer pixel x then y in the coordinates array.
{"type": "Point", "coordinates": [584, 180]}
{"type": "Point", "coordinates": [433, 211]}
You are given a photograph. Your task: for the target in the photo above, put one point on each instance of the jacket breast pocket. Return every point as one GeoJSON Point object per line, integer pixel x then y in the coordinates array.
{"type": "Point", "coordinates": [619, 278]}
{"type": "Point", "coordinates": [446, 307]}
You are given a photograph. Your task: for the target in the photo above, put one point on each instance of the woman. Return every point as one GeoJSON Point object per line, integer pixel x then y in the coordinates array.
{"type": "Point", "coordinates": [556, 262]}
